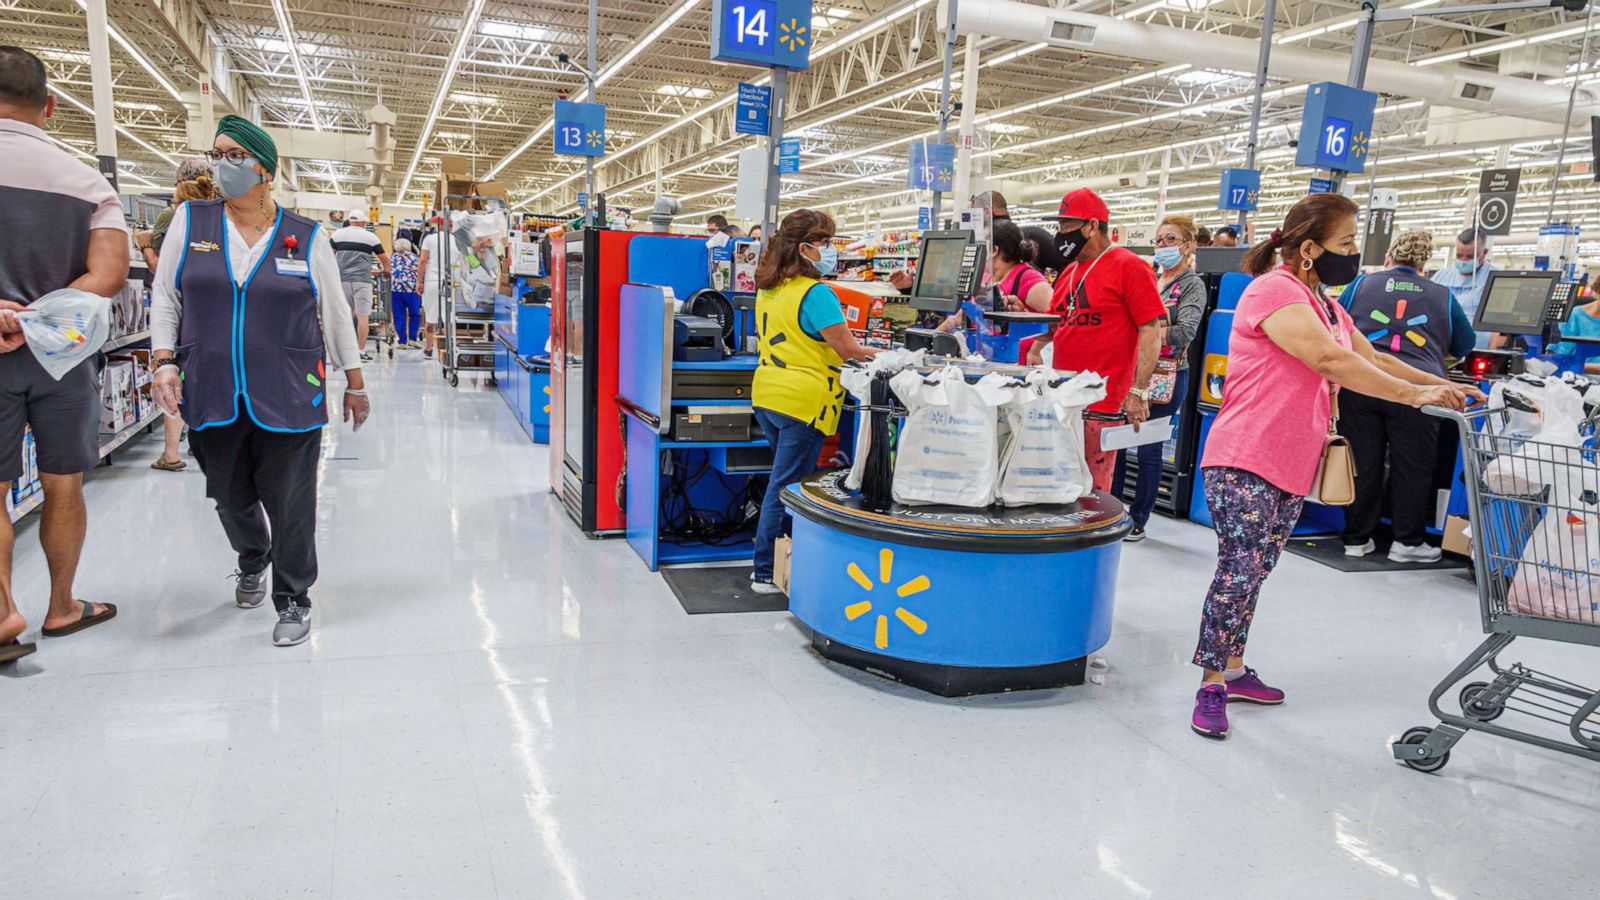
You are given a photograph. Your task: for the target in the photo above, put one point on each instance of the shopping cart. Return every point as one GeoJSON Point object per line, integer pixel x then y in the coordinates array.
{"type": "Point", "coordinates": [382, 333]}
{"type": "Point", "coordinates": [1536, 542]}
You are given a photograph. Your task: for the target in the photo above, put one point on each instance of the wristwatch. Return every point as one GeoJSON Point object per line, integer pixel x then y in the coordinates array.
{"type": "Point", "coordinates": [157, 365]}
{"type": "Point", "coordinates": [1141, 393]}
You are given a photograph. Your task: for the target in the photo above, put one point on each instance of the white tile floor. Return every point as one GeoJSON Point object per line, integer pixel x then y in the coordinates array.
{"type": "Point", "coordinates": [493, 705]}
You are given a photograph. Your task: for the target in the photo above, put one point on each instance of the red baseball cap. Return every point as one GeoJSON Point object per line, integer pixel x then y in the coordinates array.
{"type": "Point", "coordinates": [1084, 204]}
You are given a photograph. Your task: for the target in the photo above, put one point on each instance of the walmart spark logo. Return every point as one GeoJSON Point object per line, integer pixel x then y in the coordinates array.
{"type": "Point", "coordinates": [792, 34]}
{"type": "Point", "coordinates": [594, 138]}
{"type": "Point", "coordinates": [911, 588]}
{"type": "Point", "coordinates": [547, 402]}
{"type": "Point", "coordinates": [1389, 323]}
{"type": "Point", "coordinates": [1358, 145]}
{"type": "Point", "coordinates": [316, 382]}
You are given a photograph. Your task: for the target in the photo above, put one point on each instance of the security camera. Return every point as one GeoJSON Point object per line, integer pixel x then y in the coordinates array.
{"type": "Point", "coordinates": [563, 58]}
{"type": "Point", "coordinates": [916, 45]}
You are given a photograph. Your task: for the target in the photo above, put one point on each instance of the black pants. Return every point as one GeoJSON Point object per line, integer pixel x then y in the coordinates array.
{"type": "Point", "coordinates": [1410, 438]}
{"type": "Point", "coordinates": [265, 487]}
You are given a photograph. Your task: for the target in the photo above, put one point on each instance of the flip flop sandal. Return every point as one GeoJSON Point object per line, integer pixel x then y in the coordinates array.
{"type": "Point", "coordinates": [15, 650]}
{"type": "Point", "coordinates": [165, 466]}
{"type": "Point", "coordinates": [107, 611]}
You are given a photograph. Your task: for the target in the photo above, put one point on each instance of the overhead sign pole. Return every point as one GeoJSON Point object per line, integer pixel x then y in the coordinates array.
{"type": "Point", "coordinates": [944, 94]}
{"type": "Point", "coordinates": [590, 69]}
{"type": "Point", "coordinates": [1566, 122]}
{"type": "Point", "coordinates": [1268, 16]}
{"type": "Point", "coordinates": [780, 103]}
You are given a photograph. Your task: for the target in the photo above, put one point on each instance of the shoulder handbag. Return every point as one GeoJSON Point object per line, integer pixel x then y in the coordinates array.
{"type": "Point", "coordinates": [1335, 484]}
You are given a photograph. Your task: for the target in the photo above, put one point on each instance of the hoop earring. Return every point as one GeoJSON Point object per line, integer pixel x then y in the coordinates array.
{"type": "Point", "coordinates": [1305, 265]}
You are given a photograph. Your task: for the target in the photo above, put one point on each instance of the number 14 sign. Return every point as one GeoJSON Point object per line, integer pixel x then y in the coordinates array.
{"type": "Point", "coordinates": [770, 33]}
{"type": "Point", "coordinates": [580, 128]}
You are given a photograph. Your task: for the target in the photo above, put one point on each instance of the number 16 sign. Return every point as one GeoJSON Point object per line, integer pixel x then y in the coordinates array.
{"type": "Point", "coordinates": [580, 128]}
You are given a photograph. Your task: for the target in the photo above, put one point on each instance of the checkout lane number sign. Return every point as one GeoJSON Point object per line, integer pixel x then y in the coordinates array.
{"type": "Point", "coordinates": [771, 33]}
{"type": "Point", "coordinates": [580, 128]}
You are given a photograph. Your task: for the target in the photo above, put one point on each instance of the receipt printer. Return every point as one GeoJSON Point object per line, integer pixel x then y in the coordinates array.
{"type": "Point", "coordinates": [696, 339]}
{"type": "Point", "coordinates": [937, 343]}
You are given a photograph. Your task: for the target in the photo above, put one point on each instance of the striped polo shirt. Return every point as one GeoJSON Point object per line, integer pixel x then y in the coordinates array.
{"type": "Point", "coordinates": [355, 248]}
{"type": "Point", "coordinates": [49, 202]}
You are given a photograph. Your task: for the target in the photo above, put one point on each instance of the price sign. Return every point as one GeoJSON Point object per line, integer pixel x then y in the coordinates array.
{"type": "Point", "coordinates": [580, 128]}
{"type": "Point", "coordinates": [754, 110]}
{"type": "Point", "coordinates": [1336, 128]}
{"type": "Point", "coordinates": [771, 33]}
{"type": "Point", "coordinates": [1240, 189]}
{"type": "Point", "coordinates": [932, 167]}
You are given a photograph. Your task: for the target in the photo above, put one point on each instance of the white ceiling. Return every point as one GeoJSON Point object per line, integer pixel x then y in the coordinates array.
{"type": "Point", "coordinates": [872, 87]}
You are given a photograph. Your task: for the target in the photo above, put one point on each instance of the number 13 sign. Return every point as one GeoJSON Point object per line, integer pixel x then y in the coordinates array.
{"type": "Point", "coordinates": [771, 33]}
{"type": "Point", "coordinates": [580, 128]}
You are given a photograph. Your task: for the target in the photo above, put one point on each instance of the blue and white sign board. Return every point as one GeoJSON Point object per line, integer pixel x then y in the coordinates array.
{"type": "Point", "coordinates": [924, 218]}
{"type": "Point", "coordinates": [789, 156]}
{"type": "Point", "coordinates": [583, 200]}
{"type": "Point", "coordinates": [770, 33]}
{"type": "Point", "coordinates": [1321, 186]}
{"type": "Point", "coordinates": [932, 167]}
{"type": "Point", "coordinates": [1336, 128]}
{"type": "Point", "coordinates": [1240, 190]}
{"type": "Point", "coordinates": [580, 128]}
{"type": "Point", "coordinates": [754, 111]}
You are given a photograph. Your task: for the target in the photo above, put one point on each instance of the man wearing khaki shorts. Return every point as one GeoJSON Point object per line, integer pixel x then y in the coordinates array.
{"type": "Point", "coordinates": [355, 247]}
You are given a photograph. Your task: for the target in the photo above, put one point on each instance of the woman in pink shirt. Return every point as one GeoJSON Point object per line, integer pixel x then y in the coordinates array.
{"type": "Point", "coordinates": [1290, 349]}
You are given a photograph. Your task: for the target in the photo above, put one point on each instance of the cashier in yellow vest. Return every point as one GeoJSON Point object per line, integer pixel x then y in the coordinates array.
{"type": "Point", "coordinates": [804, 341]}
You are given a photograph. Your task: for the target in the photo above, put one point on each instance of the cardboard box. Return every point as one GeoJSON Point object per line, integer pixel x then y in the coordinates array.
{"type": "Point", "coordinates": [1456, 539]}
{"type": "Point", "coordinates": [458, 166]}
{"type": "Point", "coordinates": [782, 554]}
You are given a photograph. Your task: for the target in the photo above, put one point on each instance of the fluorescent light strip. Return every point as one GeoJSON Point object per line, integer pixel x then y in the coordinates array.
{"type": "Point", "coordinates": [1487, 47]}
{"type": "Point", "coordinates": [865, 30]}
{"type": "Point", "coordinates": [127, 46]}
{"type": "Point", "coordinates": [280, 8]}
{"type": "Point", "coordinates": [1312, 31]}
{"type": "Point", "coordinates": [86, 110]}
{"type": "Point", "coordinates": [469, 28]}
{"type": "Point", "coordinates": [96, 160]}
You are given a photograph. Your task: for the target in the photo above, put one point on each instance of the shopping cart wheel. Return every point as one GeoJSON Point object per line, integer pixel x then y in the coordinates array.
{"type": "Point", "coordinates": [1417, 736]}
{"type": "Point", "coordinates": [1486, 711]}
{"type": "Point", "coordinates": [455, 380]}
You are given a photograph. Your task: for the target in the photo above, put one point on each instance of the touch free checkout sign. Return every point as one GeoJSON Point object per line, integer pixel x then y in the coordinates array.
{"type": "Point", "coordinates": [772, 33]}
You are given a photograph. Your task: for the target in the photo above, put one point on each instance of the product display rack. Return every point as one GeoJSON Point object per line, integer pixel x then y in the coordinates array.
{"type": "Point", "coordinates": [457, 355]}
{"type": "Point", "coordinates": [27, 505]}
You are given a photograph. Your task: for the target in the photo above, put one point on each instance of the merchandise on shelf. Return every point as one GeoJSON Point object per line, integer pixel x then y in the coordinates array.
{"type": "Point", "coordinates": [129, 310]}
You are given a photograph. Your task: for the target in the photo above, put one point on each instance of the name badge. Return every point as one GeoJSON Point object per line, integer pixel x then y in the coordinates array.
{"type": "Point", "coordinates": [297, 267]}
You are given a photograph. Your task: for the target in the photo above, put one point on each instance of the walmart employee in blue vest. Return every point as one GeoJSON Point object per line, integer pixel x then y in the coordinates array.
{"type": "Point", "coordinates": [1412, 325]}
{"type": "Point", "coordinates": [248, 325]}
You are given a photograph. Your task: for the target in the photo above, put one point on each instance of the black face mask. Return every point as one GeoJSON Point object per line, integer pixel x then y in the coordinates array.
{"type": "Point", "coordinates": [1336, 269]}
{"type": "Point", "coordinates": [1070, 244]}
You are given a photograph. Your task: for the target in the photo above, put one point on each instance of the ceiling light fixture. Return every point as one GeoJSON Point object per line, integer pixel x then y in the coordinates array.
{"type": "Point", "coordinates": [469, 27]}
{"type": "Point", "coordinates": [86, 110]}
{"type": "Point", "coordinates": [131, 50]}
{"type": "Point", "coordinates": [286, 25]}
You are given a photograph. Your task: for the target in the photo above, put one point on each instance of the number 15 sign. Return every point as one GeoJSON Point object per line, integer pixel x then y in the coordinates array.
{"type": "Point", "coordinates": [771, 33]}
{"type": "Point", "coordinates": [580, 128]}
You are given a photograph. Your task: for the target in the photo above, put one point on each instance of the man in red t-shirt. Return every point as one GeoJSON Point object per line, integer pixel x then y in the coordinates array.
{"type": "Point", "coordinates": [1110, 322]}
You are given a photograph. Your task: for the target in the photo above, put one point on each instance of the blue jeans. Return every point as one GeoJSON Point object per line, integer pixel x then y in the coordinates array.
{"type": "Point", "coordinates": [1149, 483]}
{"type": "Point", "coordinates": [407, 315]}
{"type": "Point", "coordinates": [795, 446]}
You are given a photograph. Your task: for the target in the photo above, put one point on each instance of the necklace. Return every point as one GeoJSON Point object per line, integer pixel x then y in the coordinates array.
{"type": "Point", "coordinates": [259, 228]}
{"type": "Point", "coordinates": [1072, 293]}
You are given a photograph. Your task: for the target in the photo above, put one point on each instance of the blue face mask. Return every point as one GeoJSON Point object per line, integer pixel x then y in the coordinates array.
{"type": "Point", "coordinates": [827, 259]}
{"type": "Point", "coordinates": [235, 180]}
{"type": "Point", "coordinates": [1466, 266]}
{"type": "Point", "coordinates": [1168, 258]}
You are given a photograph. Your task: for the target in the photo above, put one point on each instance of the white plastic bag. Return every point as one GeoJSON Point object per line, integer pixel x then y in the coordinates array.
{"type": "Point", "coordinates": [948, 453]}
{"type": "Point", "coordinates": [858, 381]}
{"type": "Point", "coordinates": [1538, 449]}
{"type": "Point", "coordinates": [1042, 456]}
{"type": "Point", "coordinates": [1555, 578]}
{"type": "Point", "coordinates": [63, 328]}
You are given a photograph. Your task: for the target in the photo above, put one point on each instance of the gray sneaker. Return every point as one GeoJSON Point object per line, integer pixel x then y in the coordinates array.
{"type": "Point", "coordinates": [294, 626]}
{"type": "Point", "coordinates": [251, 591]}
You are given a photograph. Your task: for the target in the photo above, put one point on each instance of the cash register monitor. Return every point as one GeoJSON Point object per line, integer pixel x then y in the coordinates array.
{"type": "Point", "coordinates": [1516, 302]}
{"type": "Point", "coordinates": [944, 271]}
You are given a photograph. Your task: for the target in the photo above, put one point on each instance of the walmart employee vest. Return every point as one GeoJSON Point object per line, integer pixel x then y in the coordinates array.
{"type": "Point", "coordinates": [1405, 315]}
{"type": "Point", "coordinates": [798, 375]}
{"type": "Point", "coordinates": [254, 349]}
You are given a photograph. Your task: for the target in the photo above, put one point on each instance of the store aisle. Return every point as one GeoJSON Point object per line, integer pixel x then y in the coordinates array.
{"type": "Point", "coordinates": [492, 705]}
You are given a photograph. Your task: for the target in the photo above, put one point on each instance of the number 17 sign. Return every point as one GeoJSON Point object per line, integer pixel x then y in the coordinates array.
{"type": "Point", "coordinates": [770, 33]}
{"type": "Point", "coordinates": [580, 128]}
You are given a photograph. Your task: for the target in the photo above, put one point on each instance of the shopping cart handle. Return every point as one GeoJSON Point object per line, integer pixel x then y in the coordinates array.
{"type": "Point", "coordinates": [1442, 412]}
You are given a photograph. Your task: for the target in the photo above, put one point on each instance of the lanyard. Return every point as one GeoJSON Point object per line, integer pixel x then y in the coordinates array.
{"type": "Point", "coordinates": [1072, 292]}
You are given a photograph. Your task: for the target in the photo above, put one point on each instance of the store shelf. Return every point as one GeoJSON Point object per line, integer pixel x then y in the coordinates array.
{"type": "Point", "coordinates": [712, 445]}
{"type": "Point", "coordinates": [463, 347]}
{"type": "Point", "coordinates": [34, 501]}
{"type": "Point", "coordinates": [111, 443]}
{"type": "Point", "coordinates": [126, 340]}
{"type": "Point", "coordinates": [476, 318]}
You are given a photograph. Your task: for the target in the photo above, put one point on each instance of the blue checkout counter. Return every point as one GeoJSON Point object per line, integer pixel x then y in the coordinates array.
{"type": "Point", "coordinates": [522, 361]}
{"type": "Point", "coordinates": [676, 490]}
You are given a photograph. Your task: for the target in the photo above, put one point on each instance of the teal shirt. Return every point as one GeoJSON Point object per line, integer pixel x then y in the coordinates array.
{"type": "Point", "coordinates": [820, 309]}
{"type": "Point", "coordinates": [1582, 325]}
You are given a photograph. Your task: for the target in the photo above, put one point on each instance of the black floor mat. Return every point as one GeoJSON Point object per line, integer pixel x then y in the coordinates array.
{"type": "Point", "coordinates": [1330, 552]}
{"type": "Point", "coordinates": [719, 589]}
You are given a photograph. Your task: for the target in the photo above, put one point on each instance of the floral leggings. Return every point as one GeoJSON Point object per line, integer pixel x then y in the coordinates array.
{"type": "Point", "coordinates": [1253, 519]}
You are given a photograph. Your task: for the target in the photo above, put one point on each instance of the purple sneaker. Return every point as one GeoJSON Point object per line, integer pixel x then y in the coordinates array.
{"type": "Point", "coordinates": [1211, 712]}
{"type": "Point", "coordinates": [1249, 688]}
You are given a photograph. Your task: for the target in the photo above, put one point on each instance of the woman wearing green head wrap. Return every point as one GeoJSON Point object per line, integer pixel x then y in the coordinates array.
{"type": "Point", "coordinates": [247, 320]}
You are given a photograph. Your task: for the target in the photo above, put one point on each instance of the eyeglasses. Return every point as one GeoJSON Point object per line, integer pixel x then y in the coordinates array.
{"type": "Point", "coordinates": [234, 156]}
{"type": "Point", "coordinates": [1170, 240]}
